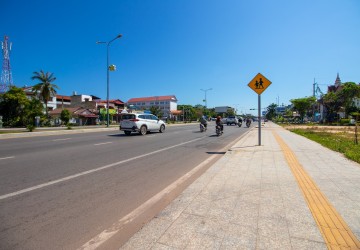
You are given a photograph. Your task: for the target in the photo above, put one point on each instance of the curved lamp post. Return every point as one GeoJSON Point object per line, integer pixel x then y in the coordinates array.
{"type": "Point", "coordinates": [107, 76]}
{"type": "Point", "coordinates": [205, 90]}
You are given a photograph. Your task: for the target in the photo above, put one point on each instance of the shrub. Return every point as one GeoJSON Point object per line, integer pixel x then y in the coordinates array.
{"type": "Point", "coordinates": [30, 127]}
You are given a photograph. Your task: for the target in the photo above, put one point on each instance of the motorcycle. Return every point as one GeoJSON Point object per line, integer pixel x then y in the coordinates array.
{"type": "Point", "coordinates": [202, 128]}
{"type": "Point", "coordinates": [239, 124]}
{"type": "Point", "coordinates": [218, 130]}
{"type": "Point", "coordinates": [248, 123]}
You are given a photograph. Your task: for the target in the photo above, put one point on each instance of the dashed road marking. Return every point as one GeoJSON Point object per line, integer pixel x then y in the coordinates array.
{"type": "Point", "coordinates": [9, 157]}
{"type": "Point", "coordinates": [103, 143]}
{"type": "Point", "coordinates": [92, 170]}
{"type": "Point", "coordinates": [64, 139]}
{"type": "Point", "coordinates": [335, 231]}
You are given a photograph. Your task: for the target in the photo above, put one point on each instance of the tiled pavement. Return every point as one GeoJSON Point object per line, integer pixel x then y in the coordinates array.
{"type": "Point", "coordinates": [250, 199]}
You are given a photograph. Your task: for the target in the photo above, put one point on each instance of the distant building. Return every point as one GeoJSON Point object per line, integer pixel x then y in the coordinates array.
{"type": "Point", "coordinates": [79, 116]}
{"type": "Point", "coordinates": [83, 106]}
{"type": "Point", "coordinates": [223, 109]}
{"type": "Point", "coordinates": [167, 104]}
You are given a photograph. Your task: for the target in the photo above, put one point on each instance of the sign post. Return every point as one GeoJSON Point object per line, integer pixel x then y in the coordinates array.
{"type": "Point", "coordinates": [259, 83]}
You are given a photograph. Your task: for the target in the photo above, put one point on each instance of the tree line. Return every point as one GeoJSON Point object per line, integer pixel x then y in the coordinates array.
{"type": "Point", "coordinates": [333, 102]}
{"type": "Point", "coordinates": [17, 110]}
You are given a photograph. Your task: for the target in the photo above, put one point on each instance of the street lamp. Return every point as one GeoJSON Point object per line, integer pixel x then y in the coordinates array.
{"type": "Point", "coordinates": [205, 90]}
{"type": "Point", "coordinates": [107, 75]}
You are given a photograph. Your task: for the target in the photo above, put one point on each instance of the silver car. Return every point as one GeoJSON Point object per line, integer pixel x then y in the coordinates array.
{"type": "Point", "coordinates": [141, 123]}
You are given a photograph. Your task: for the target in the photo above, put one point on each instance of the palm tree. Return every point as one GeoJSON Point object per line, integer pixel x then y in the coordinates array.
{"type": "Point", "coordinates": [45, 89]}
{"type": "Point", "coordinates": [271, 111]}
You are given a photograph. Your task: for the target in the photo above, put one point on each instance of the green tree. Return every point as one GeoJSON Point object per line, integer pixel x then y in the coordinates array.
{"type": "Point", "coordinates": [13, 107]}
{"type": "Point", "coordinates": [189, 112]}
{"type": "Point", "coordinates": [302, 105]}
{"type": "Point", "coordinates": [332, 103]}
{"type": "Point", "coordinates": [156, 111]}
{"type": "Point", "coordinates": [65, 116]}
{"type": "Point", "coordinates": [33, 109]}
{"type": "Point", "coordinates": [271, 111]}
{"type": "Point", "coordinates": [44, 89]}
{"type": "Point", "coordinates": [348, 92]}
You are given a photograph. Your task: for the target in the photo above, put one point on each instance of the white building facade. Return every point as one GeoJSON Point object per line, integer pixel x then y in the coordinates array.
{"type": "Point", "coordinates": [166, 104]}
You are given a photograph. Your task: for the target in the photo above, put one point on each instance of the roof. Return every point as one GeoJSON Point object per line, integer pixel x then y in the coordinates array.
{"type": "Point", "coordinates": [75, 111]}
{"type": "Point", "coordinates": [153, 98]}
{"type": "Point", "coordinates": [176, 112]}
{"type": "Point", "coordinates": [63, 97]}
{"type": "Point", "coordinates": [117, 101]}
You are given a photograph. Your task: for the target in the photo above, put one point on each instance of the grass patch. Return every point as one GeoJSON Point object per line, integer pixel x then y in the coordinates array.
{"type": "Point", "coordinates": [341, 142]}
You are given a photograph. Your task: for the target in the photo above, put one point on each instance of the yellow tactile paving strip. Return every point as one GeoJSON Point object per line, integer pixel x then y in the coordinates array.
{"type": "Point", "coordinates": [333, 228]}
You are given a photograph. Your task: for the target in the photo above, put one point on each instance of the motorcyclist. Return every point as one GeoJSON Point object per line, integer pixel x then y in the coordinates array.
{"type": "Point", "coordinates": [219, 123]}
{"type": "Point", "coordinates": [248, 121]}
{"type": "Point", "coordinates": [203, 121]}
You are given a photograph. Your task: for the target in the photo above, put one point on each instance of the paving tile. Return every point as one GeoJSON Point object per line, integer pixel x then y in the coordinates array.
{"type": "Point", "coordinates": [148, 235]}
{"type": "Point", "coordinates": [272, 242]}
{"type": "Point", "coordinates": [212, 227]}
{"type": "Point", "coordinates": [204, 242]}
{"type": "Point", "coordinates": [239, 237]}
{"type": "Point", "coordinates": [304, 244]}
{"type": "Point", "coordinates": [181, 232]}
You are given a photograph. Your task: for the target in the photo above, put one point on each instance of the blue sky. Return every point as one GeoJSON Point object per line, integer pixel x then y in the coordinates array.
{"type": "Point", "coordinates": [179, 47]}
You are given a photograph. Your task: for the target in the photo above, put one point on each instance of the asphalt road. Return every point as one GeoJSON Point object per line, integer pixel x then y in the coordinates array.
{"type": "Point", "coordinates": [60, 191]}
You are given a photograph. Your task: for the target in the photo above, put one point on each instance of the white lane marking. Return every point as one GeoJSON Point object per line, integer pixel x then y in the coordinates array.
{"type": "Point", "coordinates": [9, 157]}
{"type": "Point", "coordinates": [103, 143]}
{"type": "Point", "coordinates": [61, 139]}
{"type": "Point", "coordinates": [105, 235]}
{"type": "Point", "coordinates": [91, 171]}
{"type": "Point", "coordinates": [117, 226]}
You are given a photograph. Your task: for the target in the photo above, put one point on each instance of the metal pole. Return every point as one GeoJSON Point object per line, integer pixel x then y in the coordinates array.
{"type": "Point", "coordinates": [205, 100]}
{"type": "Point", "coordinates": [107, 87]}
{"type": "Point", "coordinates": [205, 90]}
{"type": "Point", "coordinates": [108, 77]}
{"type": "Point", "coordinates": [259, 117]}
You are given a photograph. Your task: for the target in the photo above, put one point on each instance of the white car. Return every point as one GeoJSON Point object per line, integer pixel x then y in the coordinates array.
{"type": "Point", "coordinates": [232, 120]}
{"type": "Point", "coordinates": [141, 123]}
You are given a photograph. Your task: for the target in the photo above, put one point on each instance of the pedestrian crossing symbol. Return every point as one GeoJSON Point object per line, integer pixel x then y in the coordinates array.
{"type": "Point", "coordinates": [259, 83]}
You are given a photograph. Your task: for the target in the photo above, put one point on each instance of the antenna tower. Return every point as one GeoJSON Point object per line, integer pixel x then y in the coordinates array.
{"type": "Point", "coordinates": [6, 78]}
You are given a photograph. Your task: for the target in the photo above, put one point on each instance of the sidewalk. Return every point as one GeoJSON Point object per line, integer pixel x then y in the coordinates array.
{"type": "Point", "coordinates": [264, 197]}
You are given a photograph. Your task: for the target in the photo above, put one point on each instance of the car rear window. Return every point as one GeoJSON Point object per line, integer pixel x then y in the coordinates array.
{"type": "Point", "coordinates": [128, 116]}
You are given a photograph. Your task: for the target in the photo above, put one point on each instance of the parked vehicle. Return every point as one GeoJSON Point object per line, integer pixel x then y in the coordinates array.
{"type": "Point", "coordinates": [230, 120]}
{"type": "Point", "coordinates": [141, 123]}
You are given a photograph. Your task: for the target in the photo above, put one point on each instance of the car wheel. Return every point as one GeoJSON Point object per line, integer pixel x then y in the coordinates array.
{"type": "Point", "coordinates": [127, 132]}
{"type": "Point", "coordinates": [143, 130]}
{"type": "Point", "coordinates": [162, 129]}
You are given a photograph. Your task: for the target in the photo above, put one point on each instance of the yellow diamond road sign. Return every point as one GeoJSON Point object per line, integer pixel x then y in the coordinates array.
{"type": "Point", "coordinates": [259, 83]}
